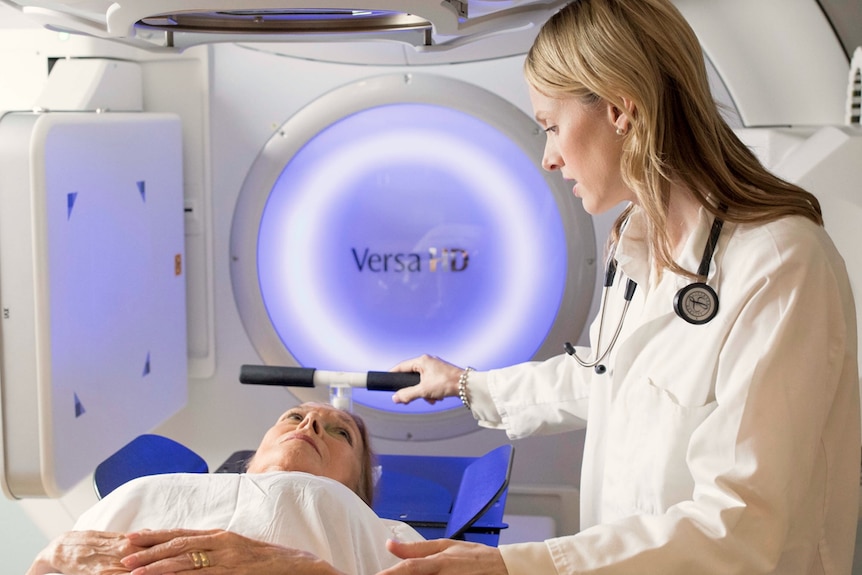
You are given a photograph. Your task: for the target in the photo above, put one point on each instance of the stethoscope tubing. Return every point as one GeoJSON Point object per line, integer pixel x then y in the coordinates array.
{"type": "Point", "coordinates": [631, 286]}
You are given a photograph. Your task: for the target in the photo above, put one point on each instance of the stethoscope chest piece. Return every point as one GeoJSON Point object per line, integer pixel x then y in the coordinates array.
{"type": "Point", "coordinates": [696, 303]}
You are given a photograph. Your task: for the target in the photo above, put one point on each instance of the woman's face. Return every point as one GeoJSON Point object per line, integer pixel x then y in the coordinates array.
{"type": "Point", "coordinates": [315, 438]}
{"type": "Point", "coordinates": [583, 144]}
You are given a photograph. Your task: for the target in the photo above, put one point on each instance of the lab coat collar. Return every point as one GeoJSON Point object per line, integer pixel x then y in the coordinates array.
{"type": "Point", "coordinates": [633, 253]}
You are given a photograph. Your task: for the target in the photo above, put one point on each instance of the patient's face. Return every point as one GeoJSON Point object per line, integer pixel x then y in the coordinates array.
{"type": "Point", "coordinates": [315, 438]}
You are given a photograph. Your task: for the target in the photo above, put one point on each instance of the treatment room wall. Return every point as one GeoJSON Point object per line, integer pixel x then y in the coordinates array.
{"type": "Point", "coordinates": [251, 93]}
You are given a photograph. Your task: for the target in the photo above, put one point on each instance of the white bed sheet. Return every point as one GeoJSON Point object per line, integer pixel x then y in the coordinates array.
{"type": "Point", "coordinates": [294, 509]}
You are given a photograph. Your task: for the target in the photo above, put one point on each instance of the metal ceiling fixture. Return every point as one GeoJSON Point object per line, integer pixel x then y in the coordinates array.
{"type": "Point", "coordinates": [178, 24]}
{"type": "Point", "coordinates": [298, 21]}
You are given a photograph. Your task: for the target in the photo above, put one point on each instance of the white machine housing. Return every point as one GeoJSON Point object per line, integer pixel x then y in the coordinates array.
{"type": "Point", "coordinates": [92, 290]}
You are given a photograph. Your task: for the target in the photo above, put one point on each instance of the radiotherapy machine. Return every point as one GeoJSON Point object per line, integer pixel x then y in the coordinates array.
{"type": "Point", "coordinates": [188, 188]}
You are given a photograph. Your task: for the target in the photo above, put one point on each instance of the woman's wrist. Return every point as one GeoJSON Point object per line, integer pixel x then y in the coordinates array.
{"type": "Point", "coordinates": [463, 392]}
{"type": "Point", "coordinates": [43, 564]}
{"type": "Point", "coordinates": [39, 567]}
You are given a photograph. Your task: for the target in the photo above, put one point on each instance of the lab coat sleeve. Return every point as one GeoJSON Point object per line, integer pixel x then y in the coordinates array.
{"type": "Point", "coordinates": [532, 398]}
{"type": "Point", "coordinates": [527, 558]}
{"type": "Point", "coordinates": [785, 425]}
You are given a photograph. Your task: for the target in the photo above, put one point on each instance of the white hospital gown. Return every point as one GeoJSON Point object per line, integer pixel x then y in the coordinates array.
{"type": "Point", "coordinates": [293, 509]}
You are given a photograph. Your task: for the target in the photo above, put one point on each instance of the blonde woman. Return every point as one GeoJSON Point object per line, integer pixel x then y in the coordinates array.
{"type": "Point", "coordinates": [720, 389]}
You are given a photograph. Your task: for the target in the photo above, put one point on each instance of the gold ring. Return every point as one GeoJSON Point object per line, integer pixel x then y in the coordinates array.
{"type": "Point", "coordinates": [200, 559]}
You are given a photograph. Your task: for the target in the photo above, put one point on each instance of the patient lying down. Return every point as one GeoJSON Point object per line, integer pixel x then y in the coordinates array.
{"type": "Point", "coordinates": [302, 507]}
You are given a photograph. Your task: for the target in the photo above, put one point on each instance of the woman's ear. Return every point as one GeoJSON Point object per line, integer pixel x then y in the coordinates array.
{"type": "Point", "coordinates": [621, 119]}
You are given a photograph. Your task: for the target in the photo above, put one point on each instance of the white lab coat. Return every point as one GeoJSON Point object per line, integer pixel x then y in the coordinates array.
{"type": "Point", "coordinates": [731, 447]}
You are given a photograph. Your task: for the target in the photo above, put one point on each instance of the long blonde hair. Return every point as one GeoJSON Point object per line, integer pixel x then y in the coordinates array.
{"type": "Point", "coordinates": [645, 51]}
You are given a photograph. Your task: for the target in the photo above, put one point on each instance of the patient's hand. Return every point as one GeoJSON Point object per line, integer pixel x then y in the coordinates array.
{"type": "Point", "coordinates": [84, 553]}
{"type": "Point", "coordinates": [445, 556]}
{"type": "Point", "coordinates": [170, 551]}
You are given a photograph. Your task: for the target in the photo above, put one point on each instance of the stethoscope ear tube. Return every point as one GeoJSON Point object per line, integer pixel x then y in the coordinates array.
{"type": "Point", "coordinates": [631, 286]}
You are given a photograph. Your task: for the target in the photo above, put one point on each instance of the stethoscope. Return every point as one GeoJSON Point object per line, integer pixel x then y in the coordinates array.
{"type": "Point", "coordinates": [696, 303]}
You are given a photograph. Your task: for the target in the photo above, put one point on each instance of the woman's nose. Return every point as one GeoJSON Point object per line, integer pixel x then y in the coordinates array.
{"type": "Point", "coordinates": [550, 166]}
{"type": "Point", "coordinates": [310, 422]}
{"type": "Point", "coordinates": [551, 160]}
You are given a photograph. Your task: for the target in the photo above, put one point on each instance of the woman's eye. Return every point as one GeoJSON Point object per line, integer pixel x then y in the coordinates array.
{"type": "Point", "coordinates": [292, 417]}
{"type": "Point", "coordinates": [342, 432]}
{"type": "Point", "coordinates": [551, 129]}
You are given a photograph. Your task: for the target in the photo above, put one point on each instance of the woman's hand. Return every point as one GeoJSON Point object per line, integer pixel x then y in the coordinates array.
{"type": "Point", "coordinates": [445, 557]}
{"type": "Point", "coordinates": [84, 553]}
{"type": "Point", "coordinates": [438, 379]}
{"type": "Point", "coordinates": [171, 551]}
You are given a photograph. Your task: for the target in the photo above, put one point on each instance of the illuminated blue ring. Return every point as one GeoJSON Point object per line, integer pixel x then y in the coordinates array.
{"type": "Point", "coordinates": [374, 92]}
{"type": "Point", "coordinates": [324, 176]}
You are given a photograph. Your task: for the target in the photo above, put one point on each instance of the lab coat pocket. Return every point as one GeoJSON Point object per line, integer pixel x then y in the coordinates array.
{"type": "Point", "coordinates": [647, 442]}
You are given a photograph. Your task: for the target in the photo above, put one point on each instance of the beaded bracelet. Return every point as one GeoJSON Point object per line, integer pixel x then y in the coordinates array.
{"type": "Point", "coordinates": [462, 387]}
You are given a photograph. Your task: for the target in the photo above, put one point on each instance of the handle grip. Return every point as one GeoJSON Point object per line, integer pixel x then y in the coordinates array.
{"type": "Point", "coordinates": [391, 380]}
{"type": "Point", "coordinates": [277, 375]}
{"type": "Point", "coordinates": [309, 377]}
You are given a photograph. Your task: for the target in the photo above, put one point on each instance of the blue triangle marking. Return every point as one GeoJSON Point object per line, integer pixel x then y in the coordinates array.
{"type": "Point", "coordinates": [70, 203]}
{"type": "Point", "coordinates": [79, 407]}
{"type": "Point", "coordinates": [142, 189]}
{"type": "Point", "coordinates": [146, 366]}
